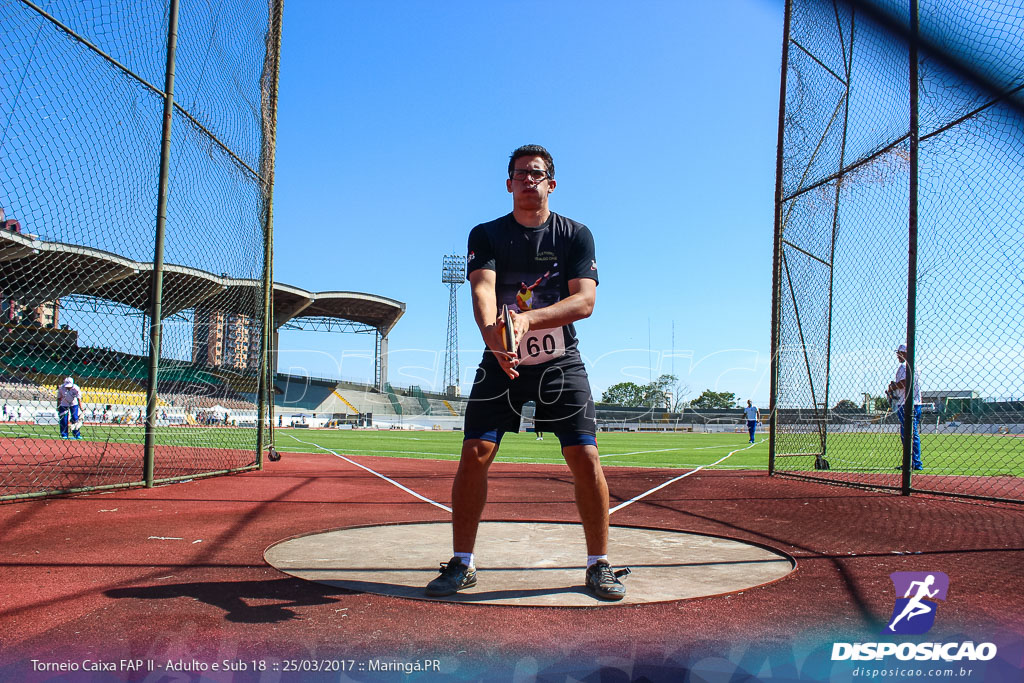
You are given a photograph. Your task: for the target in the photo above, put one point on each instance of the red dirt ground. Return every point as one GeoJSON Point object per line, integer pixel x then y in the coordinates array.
{"type": "Point", "coordinates": [177, 573]}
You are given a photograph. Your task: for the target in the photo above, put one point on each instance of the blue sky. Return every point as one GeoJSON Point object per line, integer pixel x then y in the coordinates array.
{"type": "Point", "coordinates": [395, 124]}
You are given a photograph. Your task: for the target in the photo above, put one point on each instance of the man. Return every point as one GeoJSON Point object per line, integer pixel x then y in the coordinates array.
{"type": "Point", "coordinates": [898, 389]}
{"type": "Point", "coordinates": [524, 298]}
{"type": "Point", "coordinates": [69, 398]}
{"type": "Point", "coordinates": [753, 417]}
{"type": "Point", "coordinates": [544, 364]}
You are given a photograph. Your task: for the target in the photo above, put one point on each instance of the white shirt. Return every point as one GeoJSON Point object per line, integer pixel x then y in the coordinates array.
{"type": "Point", "coordinates": [750, 412]}
{"type": "Point", "coordinates": [901, 374]}
{"type": "Point", "coordinates": [68, 396]}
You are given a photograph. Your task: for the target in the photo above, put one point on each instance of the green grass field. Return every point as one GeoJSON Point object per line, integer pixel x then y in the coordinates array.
{"type": "Point", "coordinates": [196, 437]}
{"type": "Point", "coordinates": [617, 448]}
{"type": "Point", "coordinates": [943, 454]}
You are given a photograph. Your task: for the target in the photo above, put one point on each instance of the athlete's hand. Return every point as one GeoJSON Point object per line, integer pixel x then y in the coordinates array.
{"type": "Point", "coordinates": [521, 325]}
{"type": "Point", "coordinates": [494, 337]}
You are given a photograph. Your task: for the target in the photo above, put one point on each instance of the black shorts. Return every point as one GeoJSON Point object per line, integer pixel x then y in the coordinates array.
{"type": "Point", "coordinates": [561, 392]}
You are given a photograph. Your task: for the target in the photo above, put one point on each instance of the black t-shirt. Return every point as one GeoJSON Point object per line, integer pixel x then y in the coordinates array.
{"type": "Point", "coordinates": [533, 267]}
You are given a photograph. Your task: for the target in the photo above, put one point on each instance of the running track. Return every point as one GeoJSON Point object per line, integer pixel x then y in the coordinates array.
{"type": "Point", "coordinates": [177, 573]}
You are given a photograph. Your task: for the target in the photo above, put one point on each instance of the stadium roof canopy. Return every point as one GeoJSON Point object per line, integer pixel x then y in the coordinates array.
{"type": "Point", "coordinates": [33, 271]}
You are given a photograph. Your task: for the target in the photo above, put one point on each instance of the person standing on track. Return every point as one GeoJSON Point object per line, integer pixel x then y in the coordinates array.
{"type": "Point", "coordinates": [898, 389]}
{"type": "Point", "coordinates": [69, 399]}
{"type": "Point", "coordinates": [753, 417]}
{"type": "Point", "coordinates": [531, 244]}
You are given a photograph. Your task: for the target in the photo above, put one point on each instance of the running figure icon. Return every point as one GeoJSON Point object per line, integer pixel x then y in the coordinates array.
{"type": "Point", "coordinates": [916, 606]}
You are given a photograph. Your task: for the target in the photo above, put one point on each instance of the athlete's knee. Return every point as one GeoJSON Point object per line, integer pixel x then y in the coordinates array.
{"type": "Point", "coordinates": [477, 453]}
{"type": "Point", "coordinates": [582, 458]}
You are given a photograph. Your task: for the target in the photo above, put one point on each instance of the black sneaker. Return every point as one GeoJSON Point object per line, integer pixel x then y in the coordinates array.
{"type": "Point", "coordinates": [454, 577]}
{"type": "Point", "coordinates": [603, 582]}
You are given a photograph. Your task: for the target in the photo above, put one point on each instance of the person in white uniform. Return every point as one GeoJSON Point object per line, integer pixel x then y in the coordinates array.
{"type": "Point", "coordinates": [69, 401]}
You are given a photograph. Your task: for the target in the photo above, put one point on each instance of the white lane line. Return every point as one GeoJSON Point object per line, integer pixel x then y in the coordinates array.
{"type": "Point", "coordinates": [672, 481]}
{"type": "Point", "coordinates": [669, 450]}
{"type": "Point", "coordinates": [364, 451]}
{"type": "Point", "coordinates": [377, 474]}
{"type": "Point", "coordinates": [660, 450]}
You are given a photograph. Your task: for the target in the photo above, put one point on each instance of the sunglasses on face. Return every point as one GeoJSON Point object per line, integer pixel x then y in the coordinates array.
{"type": "Point", "coordinates": [536, 174]}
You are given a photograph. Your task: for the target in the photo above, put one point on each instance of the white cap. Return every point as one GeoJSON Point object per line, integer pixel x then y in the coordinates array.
{"type": "Point", "coordinates": [68, 381]}
{"type": "Point", "coordinates": [902, 348]}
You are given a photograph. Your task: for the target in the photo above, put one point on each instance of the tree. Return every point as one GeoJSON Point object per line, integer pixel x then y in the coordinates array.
{"type": "Point", "coordinates": [624, 394]}
{"type": "Point", "coordinates": [846, 404]}
{"type": "Point", "coordinates": [652, 395]}
{"type": "Point", "coordinates": [666, 391]}
{"type": "Point", "coordinates": [676, 398]}
{"type": "Point", "coordinates": [714, 399]}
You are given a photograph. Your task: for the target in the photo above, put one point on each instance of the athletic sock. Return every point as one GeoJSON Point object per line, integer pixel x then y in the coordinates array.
{"type": "Point", "coordinates": [467, 559]}
{"type": "Point", "coordinates": [591, 559]}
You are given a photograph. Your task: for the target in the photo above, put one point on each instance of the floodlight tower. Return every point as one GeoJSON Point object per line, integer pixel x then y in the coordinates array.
{"type": "Point", "coordinates": [453, 274]}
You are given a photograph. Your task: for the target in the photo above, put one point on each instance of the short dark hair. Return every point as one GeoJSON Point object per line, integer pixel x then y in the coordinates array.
{"type": "Point", "coordinates": [532, 151]}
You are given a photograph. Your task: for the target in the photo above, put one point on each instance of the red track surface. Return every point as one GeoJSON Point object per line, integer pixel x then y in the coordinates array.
{"type": "Point", "coordinates": [94, 576]}
{"type": "Point", "coordinates": [32, 464]}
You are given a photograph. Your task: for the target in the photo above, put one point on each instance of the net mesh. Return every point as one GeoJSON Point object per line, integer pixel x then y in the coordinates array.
{"type": "Point", "coordinates": [842, 268]}
{"type": "Point", "coordinates": [81, 126]}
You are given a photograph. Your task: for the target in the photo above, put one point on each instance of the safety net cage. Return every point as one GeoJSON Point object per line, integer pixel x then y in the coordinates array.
{"type": "Point", "coordinates": [900, 221]}
{"type": "Point", "coordinates": [136, 176]}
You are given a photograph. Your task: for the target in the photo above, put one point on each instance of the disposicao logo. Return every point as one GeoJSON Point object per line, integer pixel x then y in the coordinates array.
{"type": "Point", "coordinates": [914, 612]}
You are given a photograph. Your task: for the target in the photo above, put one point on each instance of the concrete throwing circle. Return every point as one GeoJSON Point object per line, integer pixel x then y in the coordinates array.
{"type": "Point", "coordinates": [528, 563]}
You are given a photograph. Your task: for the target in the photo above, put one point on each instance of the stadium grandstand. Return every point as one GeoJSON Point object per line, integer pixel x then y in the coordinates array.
{"type": "Point", "coordinates": [37, 352]}
{"type": "Point", "coordinates": [303, 401]}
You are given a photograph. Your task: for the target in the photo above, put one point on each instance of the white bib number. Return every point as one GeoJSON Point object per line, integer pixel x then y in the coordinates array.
{"type": "Point", "coordinates": [540, 346]}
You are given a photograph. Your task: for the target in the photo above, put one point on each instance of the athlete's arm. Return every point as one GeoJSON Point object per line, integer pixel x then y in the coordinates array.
{"type": "Point", "coordinates": [485, 311]}
{"type": "Point", "coordinates": [577, 306]}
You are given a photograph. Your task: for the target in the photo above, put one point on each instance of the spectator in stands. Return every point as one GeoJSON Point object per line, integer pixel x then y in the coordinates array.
{"type": "Point", "coordinates": [753, 417]}
{"type": "Point", "coordinates": [544, 366]}
{"type": "Point", "coordinates": [69, 399]}
{"type": "Point", "coordinates": [898, 390]}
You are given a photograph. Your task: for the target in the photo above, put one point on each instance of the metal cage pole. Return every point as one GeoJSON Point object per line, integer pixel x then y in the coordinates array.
{"type": "Point", "coordinates": [777, 248]}
{"type": "Point", "coordinates": [264, 380]}
{"type": "Point", "coordinates": [156, 291]}
{"type": "Point", "coordinates": [835, 232]}
{"type": "Point", "coordinates": [908, 393]}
